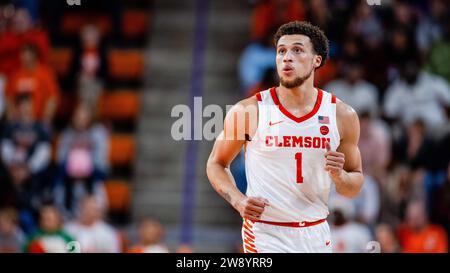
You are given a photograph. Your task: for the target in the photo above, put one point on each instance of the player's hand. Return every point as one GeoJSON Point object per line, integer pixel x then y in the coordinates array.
{"type": "Point", "coordinates": [251, 208]}
{"type": "Point", "coordinates": [334, 162]}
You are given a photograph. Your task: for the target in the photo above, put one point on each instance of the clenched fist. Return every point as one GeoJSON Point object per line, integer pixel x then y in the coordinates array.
{"type": "Point", "coordinates": [334, 162]}
{"type": "Point", "coordinates": [251, 208]}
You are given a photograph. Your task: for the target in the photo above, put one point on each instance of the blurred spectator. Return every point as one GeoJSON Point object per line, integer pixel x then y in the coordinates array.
{"type": "Point", "coordinates": [441, 207]}
{"type": "Point", "coordinates": [90, 65]}
{"type": "Point", "coordinates": [385, 235]}
{"type": "Point", "coordinates": [341, 12]}
{"type": "Point", "coordinates": [50, 238]}
{"type": "Point", "coordinates": [367, 203]}
{"type": "Point", "coordinates": [11, 236]}
{"type": "Point", "coordinates": [352, 49]}
{"type": "Point", "coordinates": [375, 146]}
{"type": "Point", "coordinates": [418, 235]}
{"type": "Point", "coordinates": [37, 80]}
{"type": "Point", "coordinates": [429, 28]}
{"type": "Point", "coordinates": [347, 236]}
{"type": "Point", "coordinates": [5, 16]}
{"type": "Point", "coordinates": [32, 7]}
{"type": "Point", "coordinates": [256, 59]}
{"type": "Point", "coordinates": [415, 146]}
{"type": "Point", "coordinates": [91, 231]}
{"type": "Point", "coordinates": [151, 234]}
{"type": "Point", "coordinates": [22, 32]}
{"type": "Point", "coordinates": [90, 57]}
{"type": "Point", "coordinates": [25, 152]}
{"type": "Point", "coordinates": [402, 185]}
{"type": "Point", "coordinates": [365, 24]}
{"type": "Point", "coordinates": [402, 48]}
{"type": "Point", "coordinates": [422, 153]}
{"type": "Point", "coordinates": [403, 15]}
{"type": "Point", "coordinates": [354, 90]}
{"type": "Point", "coordinates": [318, 14]}
{"type": "Point", "coordinates": [377, 63]}
{"type": "Point", "coordinates": [188, 249]}
{"type": "Point", "coordinates": [440, 52]}
{"type": "Point", "coordinates": [270, 14]}
{"type": "Point", "coordinates": [417, 95]}
{"type": "Point", "coordinates": [82, 157]}
{"type": "Point", "coordinates": [365, 208]}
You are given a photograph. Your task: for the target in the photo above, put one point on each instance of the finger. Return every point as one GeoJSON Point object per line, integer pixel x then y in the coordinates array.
{"type": "Point", "coordinates": [256, 201]}
{"type": "Point", "coordinates": [251, 218]}
{"type": "Point", "coordinates": [335, 159]}
{"type": "Point", "coordinates": [333, 153]}
{"type": "Point", "coordinates": [327, 146]}
{"type": "Point", "coordinates": [265, 200]}
{"type": "Point", "coordinates": [252, 214]}
{"type": "Point", "coordinates": [329, 168]}
{"type": "Point", "coordinates": [334, 164]}
{"type": "Point", "coordinates": [255, 209]}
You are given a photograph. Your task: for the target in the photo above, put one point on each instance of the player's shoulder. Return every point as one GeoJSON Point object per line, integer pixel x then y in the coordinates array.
{"type": "Point", "coordinates": [345, 112]}
{"type": "Point", "coordinates": [244, 110]}
{"type": "Point", "coordinates": [245, 105]}
{"type": "Point", "coordinates": [347, 120]}
{"type": "Point", "coordinates": [250, 101]}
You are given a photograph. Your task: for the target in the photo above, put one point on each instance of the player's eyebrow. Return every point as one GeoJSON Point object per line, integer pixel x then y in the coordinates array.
{"type": "Point", "coordinates": [296, 43]}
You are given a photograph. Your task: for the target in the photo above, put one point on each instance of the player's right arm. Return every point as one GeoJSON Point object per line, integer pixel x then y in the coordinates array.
{"type": "Point", "coordinates": [240, 121]}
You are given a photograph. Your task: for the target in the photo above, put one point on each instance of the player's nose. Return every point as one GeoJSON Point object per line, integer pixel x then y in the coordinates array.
{"type": "Point", "coordinates": [287, 57]}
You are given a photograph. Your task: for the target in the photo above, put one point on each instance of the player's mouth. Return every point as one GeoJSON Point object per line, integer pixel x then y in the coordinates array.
{"type": "Point", "coordinates": [288, 70]}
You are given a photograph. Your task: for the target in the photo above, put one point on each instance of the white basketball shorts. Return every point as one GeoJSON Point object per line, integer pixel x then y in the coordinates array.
{"type": "Point", "coordinates": [273, 237]}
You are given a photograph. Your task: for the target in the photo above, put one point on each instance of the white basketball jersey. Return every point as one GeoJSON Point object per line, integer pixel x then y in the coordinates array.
{"type": "Point", "coordinates": [285, 159]}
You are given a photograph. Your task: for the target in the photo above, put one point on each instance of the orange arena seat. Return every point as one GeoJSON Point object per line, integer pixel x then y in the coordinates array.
{"type": "Point", "coordinates": [135, 23]}
{"type": "Point", "coordinates": [126, 64]}
{"type": "Point", "coordinates": [121, 149]}
{"type": "Point", "coordinates": [60, 60]}
{"type": "Point", "coordinates": [118, 193]}
{"type": "Point", "coordinates": [119, 105]}
{"type": "Point", "coordinates": [73, 22]}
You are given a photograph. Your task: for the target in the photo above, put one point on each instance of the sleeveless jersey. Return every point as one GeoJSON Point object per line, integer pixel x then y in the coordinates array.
{"type": "Point", "coordinates": [285, 160]}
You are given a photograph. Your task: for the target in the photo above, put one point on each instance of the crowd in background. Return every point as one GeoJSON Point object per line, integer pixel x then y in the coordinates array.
{"type": "Point", "coordinates": [391, 64]}
{"type": "Point", "coordinates": [53, 158]}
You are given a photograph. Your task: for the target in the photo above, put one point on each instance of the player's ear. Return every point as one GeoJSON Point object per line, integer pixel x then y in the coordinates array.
{"type": "Point", "coordinates": [317, 61]}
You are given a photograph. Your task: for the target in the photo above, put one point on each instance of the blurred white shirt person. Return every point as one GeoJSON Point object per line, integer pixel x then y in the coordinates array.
{"type": "Point", "coordinates": [89, 229]}
{"type": "Point", "coordinates": [347, 236]}
{"type": "Point", "coordinates": [150, 233]}
{"type": "Point", "coordinates": [418, 95]}
{"type": "Point", "coordinates": [354, 90]}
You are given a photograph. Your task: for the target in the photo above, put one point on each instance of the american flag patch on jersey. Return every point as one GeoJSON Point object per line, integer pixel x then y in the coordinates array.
{"type": "Point", "coordinates": [324, 120]}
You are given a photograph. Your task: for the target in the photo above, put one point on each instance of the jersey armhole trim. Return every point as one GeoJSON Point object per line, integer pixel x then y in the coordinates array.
{"type": "Point", "coordinates": [258, 96]}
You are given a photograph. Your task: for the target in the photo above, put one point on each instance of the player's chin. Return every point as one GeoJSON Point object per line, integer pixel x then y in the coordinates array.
{"type": "Point", "coordinates": [288, 75]}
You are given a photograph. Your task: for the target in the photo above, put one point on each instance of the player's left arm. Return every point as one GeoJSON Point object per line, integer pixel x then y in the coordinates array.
{"type": "Point", "coordinates": [344, 165]}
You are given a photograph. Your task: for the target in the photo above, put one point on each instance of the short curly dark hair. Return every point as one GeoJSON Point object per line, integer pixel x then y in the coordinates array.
{"type": "Point", "coordinates": [316, 35]}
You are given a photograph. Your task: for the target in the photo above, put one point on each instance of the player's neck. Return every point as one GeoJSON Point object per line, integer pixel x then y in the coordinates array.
{"type": "Point", "coordinates": [300, 95]}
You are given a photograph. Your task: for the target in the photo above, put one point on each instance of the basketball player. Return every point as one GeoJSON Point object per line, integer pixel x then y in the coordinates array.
{"type": "Point", "coordinates": [300, 142]}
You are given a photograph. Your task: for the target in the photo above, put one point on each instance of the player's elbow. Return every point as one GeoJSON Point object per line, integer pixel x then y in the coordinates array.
{"type": "Point", "coordinates": [350, 194]}
{"type": "Point", "coordinates": [353, 189]}
{"type": "Point", "coordinates": [212, 167]}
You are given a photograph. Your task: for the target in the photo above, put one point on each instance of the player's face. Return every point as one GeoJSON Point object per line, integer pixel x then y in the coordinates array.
{"type": "Point", "coordinates": [296, 59]}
